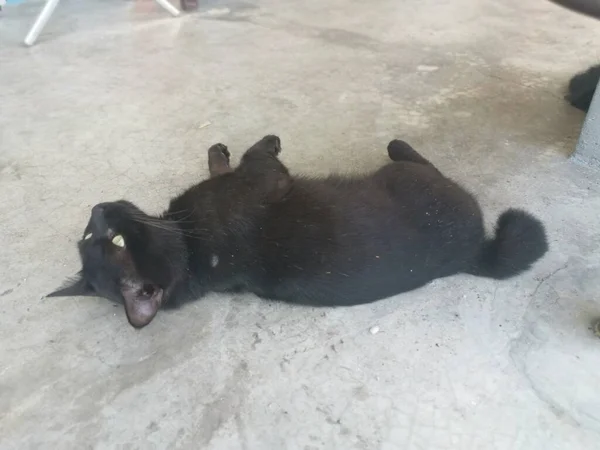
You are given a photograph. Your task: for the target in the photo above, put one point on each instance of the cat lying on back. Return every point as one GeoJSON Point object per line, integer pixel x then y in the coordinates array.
{"type": "Point", "coordinates": [335, 241]}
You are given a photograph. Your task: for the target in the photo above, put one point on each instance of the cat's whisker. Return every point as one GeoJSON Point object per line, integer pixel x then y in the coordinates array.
{"type": "Point", "coordinates": [187, 233]}
{"type": "Point", "coordinates": [169, 217]}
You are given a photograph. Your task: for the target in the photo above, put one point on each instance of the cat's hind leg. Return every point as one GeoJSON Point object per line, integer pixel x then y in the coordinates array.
{"type": "Point", "coordinates": [218, 160]}
{"type": "Point", "coordinates": [401, 151]}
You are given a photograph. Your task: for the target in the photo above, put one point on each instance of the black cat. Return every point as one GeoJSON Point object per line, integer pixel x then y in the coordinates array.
{"type": "Point", "coordinates": [334, 241]}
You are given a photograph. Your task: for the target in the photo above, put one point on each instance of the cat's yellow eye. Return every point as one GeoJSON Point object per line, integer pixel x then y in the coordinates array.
{"type": "Point", "coordinates": [87, 236]}
{"type": "Point", "coordinates": [118, 241]}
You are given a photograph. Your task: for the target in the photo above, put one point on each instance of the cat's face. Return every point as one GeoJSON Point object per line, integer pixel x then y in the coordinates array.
{"type": "Point", "coordinates": [128, 257]}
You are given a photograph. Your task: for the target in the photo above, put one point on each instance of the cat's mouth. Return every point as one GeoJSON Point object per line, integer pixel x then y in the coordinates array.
{"type": "Point", "coordinates": [142, 301]}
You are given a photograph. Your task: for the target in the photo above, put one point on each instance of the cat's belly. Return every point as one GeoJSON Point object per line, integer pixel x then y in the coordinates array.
{"type": "Point", "coordinates": [359, 275]}
{"type": "Point", "coordinates": [340, 289]}
{"type": "Point", "coordinates": [361, 241]}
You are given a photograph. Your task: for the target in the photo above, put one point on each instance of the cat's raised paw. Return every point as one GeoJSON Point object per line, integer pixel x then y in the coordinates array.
{"type": "Point", "coordinates": [273, 143]}
{"type": "Point", "coordinates": [220, 148]}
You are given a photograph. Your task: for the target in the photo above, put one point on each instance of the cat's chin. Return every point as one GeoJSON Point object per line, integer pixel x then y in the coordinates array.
{"type": "Point", "coordinates": [142, 302]}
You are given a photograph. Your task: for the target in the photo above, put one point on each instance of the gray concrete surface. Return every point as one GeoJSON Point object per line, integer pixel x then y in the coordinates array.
{"type": "Point", "coordinates": [111, 103]}
{"type": "Point", "coordinates": [587, 150]}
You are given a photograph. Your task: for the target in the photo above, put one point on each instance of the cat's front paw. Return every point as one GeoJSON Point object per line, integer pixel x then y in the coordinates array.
{"type": "Point", "coordinates": [272, 143]}
{"type": "Point", "coordinates": [220, 149]}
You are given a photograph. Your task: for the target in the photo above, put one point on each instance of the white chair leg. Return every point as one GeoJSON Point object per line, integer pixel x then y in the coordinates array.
{"type": "Point", "coordinates": [49, 7]}
{"type": "Point", "coordinates": [170, 8]}
{"type": "Point", "coordinates": [41, 22]}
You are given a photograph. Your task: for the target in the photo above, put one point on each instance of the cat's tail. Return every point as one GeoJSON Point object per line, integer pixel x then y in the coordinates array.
{"type": "Point", "coordinates": [520, 241]}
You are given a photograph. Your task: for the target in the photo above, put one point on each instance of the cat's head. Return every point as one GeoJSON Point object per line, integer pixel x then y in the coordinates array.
{"type": "Point", "coordinates": [129, 257]}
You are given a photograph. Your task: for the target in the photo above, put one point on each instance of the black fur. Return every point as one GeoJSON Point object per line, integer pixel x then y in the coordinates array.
{"type": "Point", "coordinates": [582, 88]}
{"type": "Point", "coordinates": [583, 85]}
{"type": "Point", "coordinates": [333, 241]}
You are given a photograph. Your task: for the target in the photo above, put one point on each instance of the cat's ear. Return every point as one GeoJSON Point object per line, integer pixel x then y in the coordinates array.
{"type": "Point", "coordinates": [76, 286]}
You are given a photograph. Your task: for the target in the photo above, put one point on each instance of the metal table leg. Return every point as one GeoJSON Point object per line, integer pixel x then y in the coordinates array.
{"type": "Point", "coordinates": [166, 5]}
{"type": "Point", "coordinates": [49, 7]}
{"type": "Point", "coordinates": [40, 22]}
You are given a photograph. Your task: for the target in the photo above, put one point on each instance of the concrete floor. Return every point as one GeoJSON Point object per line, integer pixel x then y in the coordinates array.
{"type": "Point", "coordinates": [112, 103]}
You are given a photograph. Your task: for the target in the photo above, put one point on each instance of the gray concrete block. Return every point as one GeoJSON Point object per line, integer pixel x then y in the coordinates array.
{"type": "Point", "coordinates": [588, 146]}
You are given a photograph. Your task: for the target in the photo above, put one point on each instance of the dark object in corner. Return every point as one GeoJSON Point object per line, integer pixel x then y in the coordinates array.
{"type": "Point", "coordinates": [589, 8]}
{"type": "Point", "coordinates": [189, 5]}
{"type": "Point", "coordinates": [582, 87]}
